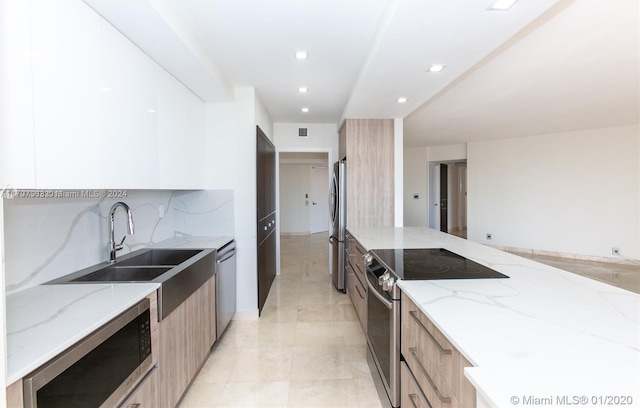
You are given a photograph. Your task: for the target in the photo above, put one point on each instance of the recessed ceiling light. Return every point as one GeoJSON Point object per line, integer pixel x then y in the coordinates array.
{"type": "Point", "coordinates": [402, 100]}
{"type": "Point", "coordinates": [105, 89]}
{"type": "Point", "coordinates": [436, 68]}
{"type": "Point", "coordinates": [502, 4]}
{"type": "Point", "coordinates": [301, 55]}
{"type": "Point", "coordinates": [305, 110]}
{"type": "Point", "coordinates": [303, 89]}
{"type": "Point", "coordinates": [151, 110]}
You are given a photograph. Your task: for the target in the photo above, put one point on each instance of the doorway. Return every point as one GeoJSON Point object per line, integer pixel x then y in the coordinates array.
{"type": "Point", "coordinates": [447, 202]}
{"type": "Point", "coordinates": [303, 192]}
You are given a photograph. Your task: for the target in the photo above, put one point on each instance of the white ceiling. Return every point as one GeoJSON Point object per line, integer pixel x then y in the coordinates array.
{"type": "Point", "coordinates": [542, 67]}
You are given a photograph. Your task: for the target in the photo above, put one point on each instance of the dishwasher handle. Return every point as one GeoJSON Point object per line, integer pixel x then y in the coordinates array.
{"type": "Point", "coordinates": [228, 256]}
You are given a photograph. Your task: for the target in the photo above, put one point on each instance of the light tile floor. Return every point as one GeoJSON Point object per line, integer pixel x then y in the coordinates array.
{"type": "Point", "coordinates": [306, 350]}
{"type": "Point", "coordinates": [620, 275]}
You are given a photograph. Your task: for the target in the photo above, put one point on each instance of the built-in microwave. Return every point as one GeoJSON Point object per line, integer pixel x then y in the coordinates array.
{"type": "Point", "coordinates": [99, 370]}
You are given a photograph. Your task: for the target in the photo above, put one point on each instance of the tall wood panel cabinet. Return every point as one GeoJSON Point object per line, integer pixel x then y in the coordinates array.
{"type": "Point", "coordinates": [266, 210]}
{"type": "Point", "coordinates": [367, 145]}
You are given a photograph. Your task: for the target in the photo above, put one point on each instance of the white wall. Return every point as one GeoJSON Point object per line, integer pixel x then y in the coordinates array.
{"type": "Point", "coordinates": [323, 137]}
{"type": "Point", "coordinates": [398, 172]}
{"type": "Point", "coordinates": [3, 313]}
{"type": "Point", "coordinates": [231, 165]}
{"type": "Point", "coordinates": [415, 182]}
{"type": "Point", "coordinates": [574, 192]}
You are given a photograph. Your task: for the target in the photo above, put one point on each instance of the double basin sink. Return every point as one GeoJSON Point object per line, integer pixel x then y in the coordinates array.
{"type": "Point", "coordinates": [180, 272]}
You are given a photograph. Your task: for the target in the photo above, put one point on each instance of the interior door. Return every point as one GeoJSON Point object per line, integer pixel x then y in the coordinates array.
{"type": "Point", "coordinates": [444, 226]}
{"type": "Point", "coordinates": [318, 204]}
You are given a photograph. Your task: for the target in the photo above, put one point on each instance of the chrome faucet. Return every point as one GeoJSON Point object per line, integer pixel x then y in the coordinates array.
{"type": "Point", "coordinates": [113, 247]}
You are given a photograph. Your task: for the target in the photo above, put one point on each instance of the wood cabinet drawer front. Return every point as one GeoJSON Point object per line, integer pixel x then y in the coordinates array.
{"type": "Point", "coordinates": [351, 286]}
{"type": "Point", "coordinates": [435, 388]}
{"type": "Point", "coordinates": [436, 364]}
{"type": "Point", "coordinates": [355, 252]}
{"type": "Point", "coordinates": [411, 396]}
{"type": "Point", "coordinates": [361, 302]}
{"type": "Point", "coordinates": [421, 334]}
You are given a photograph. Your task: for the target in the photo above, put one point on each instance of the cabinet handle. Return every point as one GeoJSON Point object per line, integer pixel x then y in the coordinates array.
{"type": "Point", "coordinates": [135, 405]}
{"type": "Point", "coordinates": [358, 290]}
{"type": "Point", "coordinates": [444, 400]}
{"type": "Point", "coordinates": [441, 349]}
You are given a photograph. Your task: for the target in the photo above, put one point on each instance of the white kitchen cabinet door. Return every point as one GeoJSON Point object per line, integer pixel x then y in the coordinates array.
{"type": "Point", "coordinates": [67, 90]}
{"type": "Point", "coordinates": [129, 116]}
{"type": "Point", "coordinates": [181, 138]}
{"type": "Point", "coordinates": [17, 166]}
{"type": "Point", "coordinates": [105, 115]}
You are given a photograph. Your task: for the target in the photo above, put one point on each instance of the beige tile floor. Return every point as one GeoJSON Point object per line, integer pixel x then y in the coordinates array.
{"type": "Point", "coordinates": [621, 275]}
{"type": "Point", "coordinates": [306, 350]}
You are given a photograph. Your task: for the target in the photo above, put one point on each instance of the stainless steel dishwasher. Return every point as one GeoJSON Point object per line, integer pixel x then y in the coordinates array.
{"type": "Point", "coordinates": [225, 286]}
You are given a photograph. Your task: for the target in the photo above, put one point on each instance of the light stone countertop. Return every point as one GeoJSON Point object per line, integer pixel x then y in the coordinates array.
{"type": "Point", "coordinates": [45, 320]}
{"type": "Point", "coordinates": [193, 242]}
{"type": "Point", "coordinates": [540, 336]}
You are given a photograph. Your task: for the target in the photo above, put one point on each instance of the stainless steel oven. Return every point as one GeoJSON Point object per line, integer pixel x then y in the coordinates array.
{"type": "Point", "coordinates": [383, 327]}
{"type": "Point", "coordinates": [100, 369]}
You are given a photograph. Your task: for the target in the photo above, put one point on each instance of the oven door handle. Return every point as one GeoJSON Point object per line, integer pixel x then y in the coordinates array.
{"type": "Point", "coordinates": [384, 301]}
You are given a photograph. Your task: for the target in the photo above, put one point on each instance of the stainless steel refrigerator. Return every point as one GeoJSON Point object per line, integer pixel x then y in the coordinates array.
{"type": "Point", "coordinates": [338, 213]}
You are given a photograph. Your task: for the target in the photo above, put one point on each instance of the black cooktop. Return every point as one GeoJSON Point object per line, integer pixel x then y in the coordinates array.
{"type": "Point", "coordinates": [432, 263]}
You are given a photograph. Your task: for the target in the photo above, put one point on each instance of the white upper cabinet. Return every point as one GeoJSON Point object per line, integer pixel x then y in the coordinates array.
{"type": "Point", "coordinates": [17, 166]}
{"type": "Point", "coordinates": [94, 111]}
{"type": "Point", "coordinates": [129, 116]}
{"type": "Point", "coordinates": [181, 140]}
{"type": "Point", "coordinates": [67, 99]}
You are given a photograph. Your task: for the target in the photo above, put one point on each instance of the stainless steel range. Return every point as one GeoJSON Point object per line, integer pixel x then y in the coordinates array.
{"type": "Point", "coordinates": [385, 268]}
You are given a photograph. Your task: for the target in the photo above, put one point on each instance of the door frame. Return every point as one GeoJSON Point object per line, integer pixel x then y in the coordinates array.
{"type": "Point", "coordinates": [433, 192]}
{"type": "Point", "coordinates": [330, 158]}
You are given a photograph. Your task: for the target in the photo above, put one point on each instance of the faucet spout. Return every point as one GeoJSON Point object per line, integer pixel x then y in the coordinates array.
{"type": "Point", "coordinates": [113, 247]}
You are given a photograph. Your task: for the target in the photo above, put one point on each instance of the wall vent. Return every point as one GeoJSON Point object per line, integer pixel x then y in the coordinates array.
{"type": "Point", "coordinates": [303, 132]}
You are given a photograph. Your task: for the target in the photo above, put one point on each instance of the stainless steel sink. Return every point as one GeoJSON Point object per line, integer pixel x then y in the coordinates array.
{"type": "Point", "coordinates": [159, 257]}
{"type": "Point", "coordinates": [116, 273]}
{"type": "Point", "coordinates": [180, 272]}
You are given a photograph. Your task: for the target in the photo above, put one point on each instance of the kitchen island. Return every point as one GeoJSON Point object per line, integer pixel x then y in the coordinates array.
{"type": "Point", "coordinates": [542, 337]}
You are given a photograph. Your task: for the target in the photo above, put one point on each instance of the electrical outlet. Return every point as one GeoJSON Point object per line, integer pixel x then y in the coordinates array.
{"type": "Point", "coordinates": [161, 211]}
{"type": "Point", "coordinates": [488, 237]}
{"type": "Point", "coordinates": [615, 251]}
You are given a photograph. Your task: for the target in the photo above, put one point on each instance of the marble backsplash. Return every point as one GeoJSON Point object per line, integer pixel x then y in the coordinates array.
{"type": "Point", "coordinates": [46, 238]}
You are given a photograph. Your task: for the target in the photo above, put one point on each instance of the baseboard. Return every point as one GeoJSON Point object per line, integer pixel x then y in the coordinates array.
{"type": "Point", "coordinates": [287, 234]}
{"type": "Point", "coordinates": [591, 258]}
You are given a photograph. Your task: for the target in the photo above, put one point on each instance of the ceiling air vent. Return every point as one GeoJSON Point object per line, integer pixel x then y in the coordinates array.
{"type": "Point", "coordinates": [302, 132]}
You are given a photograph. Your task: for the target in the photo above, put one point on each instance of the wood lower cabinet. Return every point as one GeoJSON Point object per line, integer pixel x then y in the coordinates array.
{"type": "Point", "coordinates": [435, 365]}
{"type": "Point", "coordinates": [146, 393]}
{"type": "Point", "coordinates": [356, 283]}
{"type": "Point", "coordinates": [186, 337]}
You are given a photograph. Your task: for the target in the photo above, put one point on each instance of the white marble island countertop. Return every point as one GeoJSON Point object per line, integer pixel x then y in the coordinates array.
{"type": "Point", "coordinates": [542, 337]}
{"type": "Point", "coordinates": [45, 320]}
